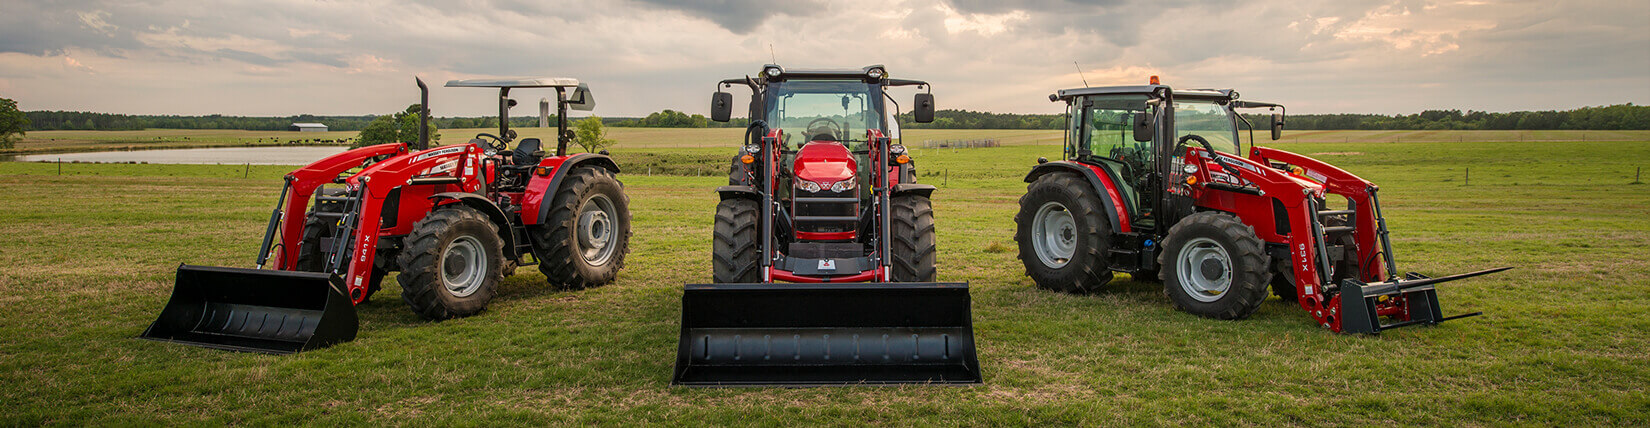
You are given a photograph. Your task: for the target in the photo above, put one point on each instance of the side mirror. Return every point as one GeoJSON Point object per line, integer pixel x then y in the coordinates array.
{"type": "Point", "coordinates": [721, 106]}
{"type": "Point", "coordinates": [1144, 127]}
{"type": "Point", "coordinates": [581, 99]}
{"type": "Point", "coordinates": [923, 110]}
{"type": "Point", "coordinates": [1277, 126]}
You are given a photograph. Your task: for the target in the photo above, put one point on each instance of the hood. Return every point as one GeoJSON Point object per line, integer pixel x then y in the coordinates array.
{"type": "Point", "coordinates": [825, 162]}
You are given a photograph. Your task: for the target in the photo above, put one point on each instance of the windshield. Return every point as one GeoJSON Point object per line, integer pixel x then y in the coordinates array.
{"type": "Point", "coordinates": [829, 110]}
{"type": "Point", "coordinates": [1206, 119]}
{"type": "Point", "coordinates": [1109, 127]}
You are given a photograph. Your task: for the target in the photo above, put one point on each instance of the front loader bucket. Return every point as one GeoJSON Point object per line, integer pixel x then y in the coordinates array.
{"type": "Point", "coordinates": [255, 310]}
{"type": "Point", "coordinates": [826, 334]}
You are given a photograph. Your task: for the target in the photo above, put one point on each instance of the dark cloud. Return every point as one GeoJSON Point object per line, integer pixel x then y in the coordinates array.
{"type": "Point", "coordinates": [740, 16]}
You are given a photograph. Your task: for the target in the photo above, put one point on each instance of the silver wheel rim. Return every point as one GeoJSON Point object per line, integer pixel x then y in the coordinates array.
{"type": "Point", "coordinates": [1054, 235]}
{"type": "Point", "coordinates": [1204, 270]}
{"type": "Point", "coordinates": [597, 237]}
{"type": "Point", "coordinates": [463, 266]}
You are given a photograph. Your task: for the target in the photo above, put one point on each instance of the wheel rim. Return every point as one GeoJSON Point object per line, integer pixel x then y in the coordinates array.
{"type": "Point", "coordinates": [1204, 270]}
{"type": "Point", "coordinates": [1054, 234]}
{"type": "Point", "coordinates": [463, 266]}
{"type": "Point", "coordinates": [597, 233]}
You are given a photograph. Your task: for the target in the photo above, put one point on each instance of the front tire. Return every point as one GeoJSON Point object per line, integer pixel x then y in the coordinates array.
{"type": "Point", "coordinates": [913, 240]}
{"type": "Point", "coordinates": [1214, 266]}
{"type": "Point", "coordinates": [452, 264]}
{"type": "Point", "coordinates": [583, 241]}
{"type": "Point", "coordinates": [1063, 234]}
{"type": "Point", "coordinates": [734, 247]}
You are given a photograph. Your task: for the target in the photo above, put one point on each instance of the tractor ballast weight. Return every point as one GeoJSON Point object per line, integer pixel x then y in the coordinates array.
{"type": "Point", "coordinates": [447, 218]}
{"type": "Point", "coordinates": [820, 198]}
{"type": "Point", "coordinates": [1154, 184]}
{"type": "Point", "coordinates": [255, 310]}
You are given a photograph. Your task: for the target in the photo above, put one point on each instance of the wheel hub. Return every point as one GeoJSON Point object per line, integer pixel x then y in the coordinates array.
{"type": "Point", "coordinates": [1204, 269]}
{"type": "Point", "coordinates": [1054, 234]}
{"type": "Point", "coordinates": [597, 237]}
{"type": "Point", "coordinates": [463, 266]}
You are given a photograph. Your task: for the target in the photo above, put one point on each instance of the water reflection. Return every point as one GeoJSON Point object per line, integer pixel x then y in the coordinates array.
{"type": "Point", "coordinates": [228, 156]}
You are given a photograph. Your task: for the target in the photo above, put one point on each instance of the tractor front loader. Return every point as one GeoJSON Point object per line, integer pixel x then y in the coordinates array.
{"type": "Point", "coordinates": [452, 220]}
{"type": "Point", "coordinates": [1154, 184]}
{"type": "Point", "coordinates": [824, 247]}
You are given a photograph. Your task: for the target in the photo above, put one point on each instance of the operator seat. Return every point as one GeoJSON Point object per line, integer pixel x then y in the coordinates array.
{"type": "Point", "coordinates": [527, 152]}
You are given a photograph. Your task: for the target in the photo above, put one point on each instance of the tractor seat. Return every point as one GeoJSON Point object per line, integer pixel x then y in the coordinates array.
{"type": "Point", "coordinates": [526, 153]}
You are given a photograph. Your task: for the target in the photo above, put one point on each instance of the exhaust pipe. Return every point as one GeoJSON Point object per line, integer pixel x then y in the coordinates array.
{"type": "Point", "coordinates": [423, 115]}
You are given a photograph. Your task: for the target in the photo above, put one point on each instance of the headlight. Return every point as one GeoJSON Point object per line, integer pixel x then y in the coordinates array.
{"type": "Point", "coordinates": [774, 71]}
{"type": "Point", "coordinates": [896, 149]}
{"type": "Point", "coordinates": [1190, 169]}
{"type": "Point", "coordinates": [845, 185]}
{"type": "Point", "coordinates": [807, 186]}
{"type": "Point", "coordinates": [753, 148]}
{"type": "Point", "coordinates": [875, 73]}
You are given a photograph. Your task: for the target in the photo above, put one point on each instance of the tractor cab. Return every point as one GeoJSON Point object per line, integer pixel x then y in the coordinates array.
{"type": "Point", "coordinates": [511, 168]}
{"type": "Point", "coordinates": [1116, 128]}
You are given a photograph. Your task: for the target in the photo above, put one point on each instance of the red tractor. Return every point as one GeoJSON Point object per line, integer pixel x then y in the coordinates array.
{"type": "Point", "coordinates": [453, 220]}
{"type": "Point", "coordinates": [1154, 184]}
{"type": "Point", "coordinates": [824, 246]}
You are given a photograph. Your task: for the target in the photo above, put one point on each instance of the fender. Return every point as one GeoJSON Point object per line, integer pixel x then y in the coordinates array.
{"type": "Point", "coordinates": [923, 190]}
{"type": "Point", "coordinates": [493, 213]}
{"type": "Point", "coordinates": [731, 192]}
{"type": "Point", "coordinates": [1112, 200]}
{"type": "Point", "coordinates": [541, 190]}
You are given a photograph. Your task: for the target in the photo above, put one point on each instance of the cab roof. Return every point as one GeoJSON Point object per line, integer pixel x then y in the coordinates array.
{"type": "Point", "coordinates": [1066, 94]}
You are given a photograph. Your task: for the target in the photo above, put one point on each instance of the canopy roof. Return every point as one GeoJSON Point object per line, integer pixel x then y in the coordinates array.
{"type": "Point", "coordinates": [519, 82]}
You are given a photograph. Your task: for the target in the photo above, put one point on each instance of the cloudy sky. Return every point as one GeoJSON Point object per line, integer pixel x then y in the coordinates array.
{"type": "Point", "coordinates": [282, 57]}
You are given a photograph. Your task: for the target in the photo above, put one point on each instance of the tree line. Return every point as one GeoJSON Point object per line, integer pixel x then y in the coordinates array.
{"type": "Point", "coordinates": [1613, 117]}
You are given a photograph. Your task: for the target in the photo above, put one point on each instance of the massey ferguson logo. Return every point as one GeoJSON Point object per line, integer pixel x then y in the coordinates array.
{"type": "Point", "coordinates": [441, 152]}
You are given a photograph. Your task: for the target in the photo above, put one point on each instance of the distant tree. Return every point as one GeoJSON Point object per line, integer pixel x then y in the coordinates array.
{"type": "Point", "coordinates": [590, 134]}
{"type": "Point", "coordinates": [401, 127]}
{"type": "Point", "coordinates": [12, 123]}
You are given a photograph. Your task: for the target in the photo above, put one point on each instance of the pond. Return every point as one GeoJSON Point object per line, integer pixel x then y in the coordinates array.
{"type": "Point", "coordinates": [226, 156]}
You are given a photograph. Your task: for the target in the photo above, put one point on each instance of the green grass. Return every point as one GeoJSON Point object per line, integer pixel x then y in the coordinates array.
{"type": "Point", "coordinates": [88, 261]}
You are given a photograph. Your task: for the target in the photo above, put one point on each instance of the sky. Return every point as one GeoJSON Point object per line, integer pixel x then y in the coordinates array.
{"type": "Point", "coordinates": [285, 57]}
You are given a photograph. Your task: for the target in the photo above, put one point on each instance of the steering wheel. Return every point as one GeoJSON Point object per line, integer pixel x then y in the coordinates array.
{"type": "Point", "coordinates": [498, 144]}
{"type": "Point", "coordinates": [1219, 160]}
{"type": "Point", "coordinates": [834, 128]}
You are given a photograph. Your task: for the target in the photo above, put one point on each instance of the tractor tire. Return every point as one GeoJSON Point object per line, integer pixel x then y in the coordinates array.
{"type": "Point", "coordinates": [452, 263]}
{"type": "Point", "coordinates": [735, 246]}
{"type": "Point", "coordinates": [583, 241]}
{"type": "Point", "coordinates": [913, 239]}
{"type": "Point", "coordinates": [1214, 266]}
{"type": "Point", "coordinates": [312, 259]}
{"type": "Point", "coordinates": [1073, 260]}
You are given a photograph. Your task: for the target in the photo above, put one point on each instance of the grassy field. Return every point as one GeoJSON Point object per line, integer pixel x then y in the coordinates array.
{"type": "Point", "coordinates": [89, 257]}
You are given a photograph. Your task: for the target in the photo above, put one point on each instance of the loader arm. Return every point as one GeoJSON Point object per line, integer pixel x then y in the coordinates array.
{"type": "Point", "coordinates": [302, 184]}
{"type": "Point", "coordinates": [451, 168]}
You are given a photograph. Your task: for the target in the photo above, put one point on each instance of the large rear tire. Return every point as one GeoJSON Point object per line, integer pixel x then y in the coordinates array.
{"type": "Point", "coordinates": [1214, 266]}
{"type": "Point", "coordinates": [312, 259]}
{"type": "Point", "coordinates": [913, 241]}
{"type": "Point", "coordinates": [735, 244]}
{"type": "Point", "coordinates": [583, 241]}
{"type": "Point", "coordinates": [452, 263]}
{"type": "Point", "coordinates": [1063, 234]}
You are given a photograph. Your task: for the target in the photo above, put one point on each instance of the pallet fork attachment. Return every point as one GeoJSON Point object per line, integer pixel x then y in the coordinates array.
{"type": "Point", "coordinates": [1358, 301]}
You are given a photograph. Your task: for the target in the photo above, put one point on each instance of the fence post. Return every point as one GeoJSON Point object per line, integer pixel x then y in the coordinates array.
{"type": "Point", "coordinates": [59, 166]}
{"type": "Point", "coordinates": [1467, 181]}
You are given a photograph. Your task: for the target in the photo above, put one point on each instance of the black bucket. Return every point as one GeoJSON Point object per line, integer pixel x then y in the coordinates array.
{"type": "Point", "coordinates": [826, 334]}
{"type": "Point", "coordinates": [255, 310]}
